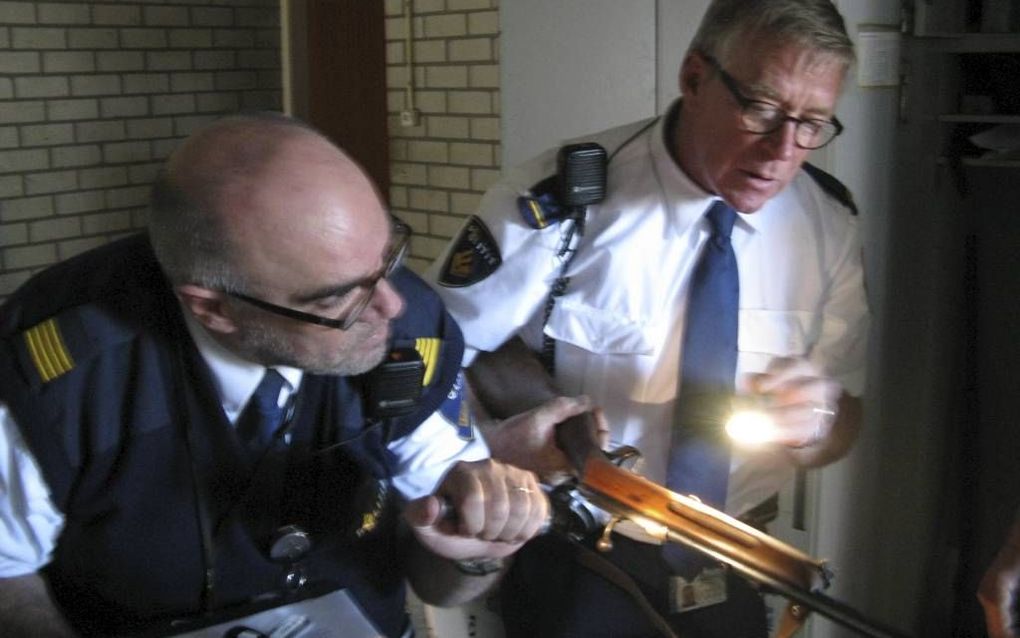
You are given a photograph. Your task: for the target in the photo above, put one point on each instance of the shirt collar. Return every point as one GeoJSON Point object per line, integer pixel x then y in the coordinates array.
{"type": "Point", "coordinates": [235, 378]}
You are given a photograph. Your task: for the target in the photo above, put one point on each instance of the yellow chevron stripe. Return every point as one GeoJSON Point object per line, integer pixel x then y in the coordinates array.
{"type": "Point", "coordinates": [539, 214]}
{"type": "Point", "coordinates": [428, 348]}
{"type": "Point", "coordinates": [48, 351]}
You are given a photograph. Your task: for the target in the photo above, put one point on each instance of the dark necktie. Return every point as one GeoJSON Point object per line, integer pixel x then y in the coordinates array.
{"type": "Point", "coordinates": [262, 416]}
{"type": "Point", "coordinates": [699, 459]}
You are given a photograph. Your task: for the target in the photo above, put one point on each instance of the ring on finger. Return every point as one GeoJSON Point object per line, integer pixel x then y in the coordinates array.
{"type": "Point", "coordinates": [519, 488]}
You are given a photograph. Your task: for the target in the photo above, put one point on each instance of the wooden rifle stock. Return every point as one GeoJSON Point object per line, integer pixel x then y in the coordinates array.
{"type": "Point", "coordinates": [667, 515]}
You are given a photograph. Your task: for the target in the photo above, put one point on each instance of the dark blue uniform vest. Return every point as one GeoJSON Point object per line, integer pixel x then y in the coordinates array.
{"type": "Point", "coordinates": [118, 408]}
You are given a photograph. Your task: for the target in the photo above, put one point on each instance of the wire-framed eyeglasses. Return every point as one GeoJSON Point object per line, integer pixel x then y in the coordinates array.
{"type": "Point", "coordinates": [763, 118]}
{"type": "Point", "coordinates": [359, 294]}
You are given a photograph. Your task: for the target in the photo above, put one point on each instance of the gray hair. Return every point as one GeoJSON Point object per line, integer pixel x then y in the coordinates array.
{"type": "Point", "coordinates": [813, 24]}
{"type": "Point", "coordinates": [189, 239]}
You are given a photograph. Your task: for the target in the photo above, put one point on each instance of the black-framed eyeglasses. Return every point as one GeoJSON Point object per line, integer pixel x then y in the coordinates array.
{"type": "Point", "coordinates": [359, 293]}
{"type": "Point", "coordinates": [763, 118]}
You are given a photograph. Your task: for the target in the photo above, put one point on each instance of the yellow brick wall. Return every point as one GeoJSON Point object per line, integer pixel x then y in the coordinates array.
{"type": "Point", "coordinates": [440, 166]}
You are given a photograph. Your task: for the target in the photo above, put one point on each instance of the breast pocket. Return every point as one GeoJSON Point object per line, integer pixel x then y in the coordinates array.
{"type": "Point", "coordinates": [601, 331]}
{"type": "Point", "coordinates": [767, 334]}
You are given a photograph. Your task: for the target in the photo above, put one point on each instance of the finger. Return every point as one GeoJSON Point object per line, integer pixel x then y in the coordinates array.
{"type": "Point", "coordinates": [601, 427]}
{"type": "Point", "coordinates": [423, 512]}
{"type": "Point", "coordinates": [538, 511]}
{"type": "Point", "coordinates": [497, 487]}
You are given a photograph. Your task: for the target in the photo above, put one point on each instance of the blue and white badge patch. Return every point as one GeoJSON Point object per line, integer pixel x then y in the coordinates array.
{"type": "Point", "coordinates": [474, 256]}
{"type": "Point", "coordinates": [457, 412]}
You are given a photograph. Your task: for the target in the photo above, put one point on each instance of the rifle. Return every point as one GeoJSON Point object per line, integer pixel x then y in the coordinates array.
{"type": "Point", "coordinates": [672, 517]}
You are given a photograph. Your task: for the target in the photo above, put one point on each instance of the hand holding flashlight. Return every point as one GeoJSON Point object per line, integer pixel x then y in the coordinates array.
{"type": "Point", "coordinates": [792, 403]}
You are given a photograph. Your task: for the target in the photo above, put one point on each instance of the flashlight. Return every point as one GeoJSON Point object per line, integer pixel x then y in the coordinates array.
{"type": "Point", "coordinates": [749, 423]}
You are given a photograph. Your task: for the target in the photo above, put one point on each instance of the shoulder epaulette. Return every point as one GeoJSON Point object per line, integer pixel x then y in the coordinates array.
{"type": "Point", "coordinates": [832, 186]}
{"type": "Point", "coordinates": [541, 206]}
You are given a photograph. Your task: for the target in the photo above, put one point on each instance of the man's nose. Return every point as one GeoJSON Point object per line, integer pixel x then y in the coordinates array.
{"type": "Point", "coordinates": [386, 300]}
{"type": "Point", "coordinates": [782, 142]}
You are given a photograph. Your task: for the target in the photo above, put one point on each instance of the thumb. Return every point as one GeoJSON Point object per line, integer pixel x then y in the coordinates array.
{"type": "Point", "coordinates": [423, 512]}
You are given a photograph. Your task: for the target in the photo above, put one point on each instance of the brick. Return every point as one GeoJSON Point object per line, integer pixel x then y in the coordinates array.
{"type": "Point", "coordinates": [428, 199]}
{"type": "Point", "coordinates": [17, 12]}
{"type": "Point", "coordinates": [47, 134]}
{"type": "Point", "coordinates": [14, 112]}
{"type": "Point", "coordinates": [395, 29]}
{"type": "Point", "coordinates": [235, 80]}
{"type": "Point", "coordinates": [483, 23]}
{"type": "Point", "coordinates": [216, 102]}
{"type": "Point", "coordinates": [68, 61]}
{"type": "Point", "coordinates": [20, 62]}
{"type": "Point", "coordinates": [464, 204]}
{"type": "Point", "coordinates": [270, 78]}
{"type": "Point", "coordinates": [191, 82]}
{"type": "Point", "coordinates": [163, 147]}
{"type": "Point", "coordinates": [467, 5]}
{"type": "Point", "coordinates": [29, 256]}
{"type": "Point", "coordinates": [119, 15]}
{"type": "Point", "coordinates": [143, 173]}
{"type": "Point", "coordinates": [486, 128]}
{"type": "Point", "coordinates": [38, 38]}
{"type": "Point", "coordinates": [262, 100]}
{"type": "Point", "coordinates": [24, 160]}
{"type": "Point", "coordinates": [395, 52]}
{"type": "Point", "coordinates": [150, 128]}
{"type": "Point", "coordinates": [393, 7]}
{"type": "Point", "coordinates": [127, 152]}
{"type": "Point", "coordinates": [447, 77]}
{"type": "Point", "coordinates": [190, 38]}
{"type": "Point", "coordinates": [142, 38]}
{"type": "Point", "coordinates": [396, 77]}
{"type": "Point", "coordinates": [72, 109]}
{"type": "Point", "coordinates": [26, 208]}
{"type": "Point", "coordinates": [483, 178]}
{"type": "Point", "coordinates": [428, 6]}
{"type": "Point", "coordinates": [83, 85]}
{"type": "Point", "coordinates": [429, 248]}
{"type": "Point", "coordinates": [92, 38]}
{"type": "Point", "coordinates": [140, 218]}
{"type": "Point", "coordinates": [11, 186]}
{"type": "Point", "coordinates": [233, 38]}
{"type": "Point", "coordinates": [12, 234]}
{"type": "Point", "coordinates": [146, 83]}
{"type": "Point", "coordinates": [471, 50]}
{"type": "Point", "coordinates": [448, 127]}
{"type": "Point", "coordinates": [50, 229]}
{"type": "Point", "coordinates": [121, 60]}
{"type": "Point", "coordinates": [168, 104]}
{"type": "Point", "coordinates": [446, 26]}
{"type": "Point", "coordinates": [430, 51]}
{"type": "Point", "coordinates": [165, 16]}
{"type": "Point", "coordinates": [398, 197]}
{"type": "Point", "coordinates": [51, 182]}
{"type": "Point", "coordinates": [407, 173]}
{"type": "Point", "coordinates": [9, 137]}
{"type": "Point", "coordinates": [41, 86]}
{"type": "Point", "coordinates": [449, 177]}
{"type": "Point", "coordinates": [445, 225]}
{"type": "Point", "coordinates": [103, 177]}
{"type": "Point", "coordinates": [5, 38]}
{"type": "Point", "coordinates": [255, 17]}
{"type": "Point", "coordinates": [471, 154]}
{"type": "Point", "coordinates": [64, 13]}
{"type": "Point", "coordinates": [6, 89]}
{"type": "Point", "coordinates": [187, 125]}
{"type": "Point", "coordinates": [431, 101]}
{"type": "Point", "coordinates": [212, 16]}
{"type": "Point", "coordinates": [11, 281]}
{"type": "Point", "coordinates": [68, 249]}
{"type": "Point", "coordinates": [80, 202]}
{"type": "Point", "coordinates": [258, 59]}
{"type": "Point", "coordinates": [84, 155]}
{"type": "Point", "coordinates": [129, 196]}
{"type": "Point", "coordinates": [206, 60]}
{"type": "Point", "coordinates": [427, 151]}
{"type": "Point", "coordinates": [479, 102]}
{"type": "Point", "coordinates": [135, 106]}
{"type": "Point", "coordinates": [483, 76]}
{"type": "Point", "coordinates": [99, 131]}
{"type": "Point", "coordinates": [168, 61]}
{"type": "Point", "coordinates": [106, 222]}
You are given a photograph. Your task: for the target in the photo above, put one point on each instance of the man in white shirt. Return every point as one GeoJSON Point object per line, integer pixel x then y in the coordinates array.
{"type": "Point", "coordinates": [760, 84]}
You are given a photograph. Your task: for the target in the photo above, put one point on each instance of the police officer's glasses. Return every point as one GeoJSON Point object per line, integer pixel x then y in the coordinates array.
{"type": "Point", "coordinates": [356, 296]}
{"type": "Point", "coordinates": [763, 118]}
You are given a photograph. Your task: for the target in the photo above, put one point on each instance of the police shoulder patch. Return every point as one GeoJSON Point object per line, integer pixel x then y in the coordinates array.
{"type": "Point", "coordinates": [474, 256]}
{"type": "Point", "coordinates": [457, 412]}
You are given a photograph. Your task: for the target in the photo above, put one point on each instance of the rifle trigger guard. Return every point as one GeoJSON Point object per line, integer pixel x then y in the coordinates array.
{"type": "Point", "coordinates": [605, 543]}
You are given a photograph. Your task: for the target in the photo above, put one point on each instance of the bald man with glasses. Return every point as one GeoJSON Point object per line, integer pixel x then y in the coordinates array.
{"type": "Point", "coordinates": [718, 266]}
{"type": "Point", "coordinates": [252, 408]}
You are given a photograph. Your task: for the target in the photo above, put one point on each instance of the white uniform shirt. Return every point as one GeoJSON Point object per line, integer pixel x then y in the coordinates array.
{"type": "Point", "coordinates": [618, 327]}
{"type": "Point", "coordinates": [30, 523]}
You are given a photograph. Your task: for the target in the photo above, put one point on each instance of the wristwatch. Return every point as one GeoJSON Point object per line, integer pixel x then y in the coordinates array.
{"type": "Point", "coordinates": [479, 566]}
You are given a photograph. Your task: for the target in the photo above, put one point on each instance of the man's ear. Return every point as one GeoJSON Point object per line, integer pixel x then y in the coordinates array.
{"type": "Point", "coordinates": [207, 306]}
{"type": "Point", "coordinates": [692, 74]}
